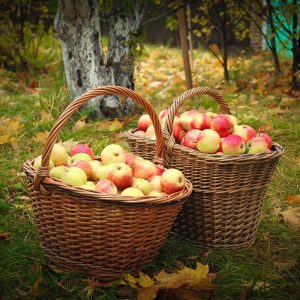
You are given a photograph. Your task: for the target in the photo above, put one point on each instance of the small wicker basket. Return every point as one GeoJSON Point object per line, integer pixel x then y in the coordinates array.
{"type": "Point", "coordinates": [99, 234]}
{"type": "Point", "coordinates": [228, 191]}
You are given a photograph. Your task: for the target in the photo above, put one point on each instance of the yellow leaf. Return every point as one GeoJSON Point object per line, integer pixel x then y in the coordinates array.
{"type": "Point", "coordinates": [46, 116]}
{"type": "Point", "coordinates": [131, 281]}
{"type": "Point", "coordinates": [41, 137]}
{"type": "Point", "coordinates": [5, 139]}
{"type": "Point", "coordinates": [24, 207]}
{"type": "Point", "coordinates": [285, 264]}
{"type": "Point", "coordinates": [115, 125]}
{"type": "Point", "coordinates": [292, 199]}
{"type": "Point", "coordinates": [79, 124]}
{"type": "Point", "coordinates": [145, 280]}
{"type": "Point", "coordinates": [292, 216]}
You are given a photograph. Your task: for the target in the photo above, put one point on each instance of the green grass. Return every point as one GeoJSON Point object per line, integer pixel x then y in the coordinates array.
{"type": "Point", "coordinates": [249, 272]}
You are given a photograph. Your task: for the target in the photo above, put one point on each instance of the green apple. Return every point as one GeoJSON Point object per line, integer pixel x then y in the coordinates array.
{"type": "Point", "coordinates": [112, 154]}
{"type": "Point", "coordinates": [80, 156]}
{"type": "Point", "coordinates": [38, 162]}
{"type": "Point", "coordinates": [56, 172]}
{"type": "Point", "coordinates": [74, 176]}
{"type": "Point", "coordinates": [142, 184]}
{"type": "Point", "coordinates": [133, 192]}
{"type": "Point", "coordinates": [90, 185]}
{"type": "Point", "coordinates": [208, 141]}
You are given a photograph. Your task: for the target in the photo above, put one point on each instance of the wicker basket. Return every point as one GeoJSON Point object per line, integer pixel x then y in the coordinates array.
{"type": "Point", "coordinates": [99, 234]}
{"type": "Point", "coordinates": [228, 191]}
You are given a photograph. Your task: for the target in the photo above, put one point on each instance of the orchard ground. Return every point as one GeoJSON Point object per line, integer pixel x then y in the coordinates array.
{"type": "Point", "coordinates": [29, 106]}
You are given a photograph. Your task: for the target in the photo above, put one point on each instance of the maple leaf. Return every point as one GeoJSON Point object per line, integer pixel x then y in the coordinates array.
{"type": "Point", "coordinates": [292, 216]}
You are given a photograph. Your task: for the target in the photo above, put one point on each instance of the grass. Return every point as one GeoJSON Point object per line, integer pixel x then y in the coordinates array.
{"type": "Point", "coordinates": [25, 273]}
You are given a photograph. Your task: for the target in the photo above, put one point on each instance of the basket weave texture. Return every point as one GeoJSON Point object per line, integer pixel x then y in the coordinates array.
{"type": "Point", "coordinates": [228, 191]}
{"type": "Point", "coordinates": [99, 234]}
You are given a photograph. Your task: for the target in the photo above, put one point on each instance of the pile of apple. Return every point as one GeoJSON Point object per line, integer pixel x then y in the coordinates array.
{"type": "Point", "coordinates": [118, 172]}
{"type": "Point", "coordinates": [210, 133]}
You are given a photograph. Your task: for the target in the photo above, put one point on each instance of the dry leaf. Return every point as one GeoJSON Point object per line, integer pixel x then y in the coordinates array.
{"type": "Point", "coordinates": [41, 137]}
{"type": "Point", "coordinates": [46, 116]}
{"type": "Point", "coordinates": [145, 280]}
{"type": "Point", "coordinates": [285, 264]}
{"type": "Point", "coordinates": [79, 124]}
{"type": "Point", "coordinates": [292, 199]}
{"type": "Point", "coordinates": [35, 288]}
{"type": "Point", "coordinates": [25, 198]}
{"type": "Point", "coordinates": [183, 294]}
{"type": "Point", "coordinates": [115, 125]}
{"type": "Point", "coordinates": [292, 216]}
{"type": "Point", "coordinates": [24, 207]}
{"type": "Point", "coordinates": [4, 236]}
{"type": "Point", "coordinates": [56, 269]}
{"type": "Point", "coordinates": [130, 280]}
{"type": "Point", "coordinates": [69, 144]}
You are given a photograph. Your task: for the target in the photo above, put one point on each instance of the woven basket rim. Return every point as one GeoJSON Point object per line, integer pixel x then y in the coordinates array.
{"type": "Point", "coordinates": [108, 199]}
{"type": "Point", "coordinates": [277, 150]}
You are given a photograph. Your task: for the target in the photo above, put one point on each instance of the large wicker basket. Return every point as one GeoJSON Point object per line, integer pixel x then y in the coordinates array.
{"type": "Point", "coordinates": [228, 191]}
{"type": "Point", "coordinates": [99, 234]}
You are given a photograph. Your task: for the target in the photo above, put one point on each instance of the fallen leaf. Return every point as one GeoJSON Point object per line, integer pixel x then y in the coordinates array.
{"type": "Point", "coordinates": [56, 269]}
{"type": "Point", "coordinates": [41, 137]}
{"type": "Point", "coordinates": [69, 144]}
{"type": "Point", "coordinates": [197, 275]}
{"type": "Point", "coordinates": [183, 294]}
{"type": "Point", "coordinates": [130, 280]}
{"type": "Point", "coordinates": [79, 124]}
{"type": "Point", "coordinates": [285, 264]}
{"type": "Point", "coordinates": [24, 207]}
{"type": "Point", "coordinates": [25, 198]}
{"type": "Point", "coordinates": [46, 116]}
{"type": "Point", "coordinates": [33, 291]}
{"type": "Point", "coordinates": [145, 280]}
{"type": "Point", "coordinates": [115, 125]}
{"type": "Point", "coordinates": [292, 216]}
{"type": "Point", "coordinates": [4, 236]}
{"type": "Point", "coordinates": [5, 139]}
{"type": "Point", "coordinates": [292, 199]}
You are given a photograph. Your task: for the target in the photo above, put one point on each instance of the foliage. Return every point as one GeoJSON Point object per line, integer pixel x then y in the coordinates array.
{"type": "Point", "coordinates": [22, 34]}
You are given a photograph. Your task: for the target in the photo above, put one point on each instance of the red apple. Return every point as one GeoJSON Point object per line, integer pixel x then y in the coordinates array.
{"type": "Point", "coordinates": [222, 125]}
{"type": "Point", "coordinates": [140, 133]}
{"type": "Point", "coordinates": [233, 119]}
{"type": "Point", "coordinates": [172, 180]}
{"type": "Point", "coordinates": [106, 186]}
{"type": "Point", "coordinates": [159, 171]}
{"type": "Point", "coordinates": [150, 133]}
{"type": "Point", "coordinates": [145, 169]}
{"type": "Point", "coordinates": [220, 147]}
{"type": "Point", "coordinates": [233, 145]}
{"type": "Point", "coordinates": [208, 141]}
{"type": "Point", "coordinates": [191, 138]}
{"type": "Point", "coordinates": [156, 184]}
{"type": "Point", "coordinates": [177, 132]}
{"type": "Point", "coordinates": [120, 174]}
{"type": "Point", "coordinates": [144, 122]}
{"type": "Point", "coordinates": [186, 119]}
{"type": "Point", "coordinates": [245, 131]}
{"type": "Point", "coordinates": [201, 122]}
{"type": "Point", "coordinates": [162, 114]}
{"type": "Point", "coordinates": [85, 166]}
{"type": "Point", "coordinates": [267, 138]}
{"type": "Point", "coordinates": [211, 114]}
{"type": "Point", "coordinates": [82, 148]}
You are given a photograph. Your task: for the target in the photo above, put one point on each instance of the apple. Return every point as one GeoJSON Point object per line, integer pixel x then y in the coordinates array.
{"type": "Point", "coordinates": [219, 153]}
{"type": "Point", "coordinates": [120, 174]}
{"type": "Point", "coordinates": [208, 141]}
{"type": "Point", "coordinates": [59, 155]}
{"type": "Point", "coordinates": [106, 186]}
{"type": "Point", "coordinates": [142, 184]}
{"type": "Point", "coordinates": [145, 169]}
{"type": "Point", "coordinates": [211, 114]}
{"type": "Point", "coordinates": [234, 145]}
{"type": "Point", "coordinates": [57, 171]}
{"type": "Point", "coordinates": [155, 182]}
{"type": "Point", "coordinates": [200, 121]}
{"type": "Point", "coordinates": [267, 138]}
{"type": "Point", "coordinates": [177, 132]}
{"type": "Point", "coordinates": [186, 118]}
{"type": "Point", "coordinates": [154, 194]}
{"type": "Point", "coordinates": [222, 125]}
{"type": "Point", "coordinates": [140, 133]}
{"type": "Point", "coordinates": [159, 170]}
{"type": "Point", "coordinates": [257, 145]}
{"type": "Point", "coordinates": [144, 122]}
{"type": "Point", "coordinates": [220, 147]}
{"type": "Point", "coordinates": [190, 139]}
{"type": "Point", "coordinates": [90, 185]}
{"type": "Point", "coordinates": [95, 164]}
{"type": "Point", "coordinates": [80, 156]}
{"type": "Point", "coordinates": [85, 166]}
{"type": "Point", "coordinates": [112, 154]}
{"type": "Point", "coordinates": [38, 162]}
{"type": "Point", "coordinates": [233, 119]}
{"type": "Point", "coordinates": [132, 192]}
{"type": "Point", "coordinates": [172, 180]}
{"type": "Point", "coordinates": [74, 176]}
{"type": "Point", "coordinates": [150, 133]}
{"type": "Point", "coordinates": [245, 131]}
{"type": "Point", "coordinates": [131, 159]}
{"type": "Point", "coordinates": [82, 148]}
{"type": "Point", "coordinates": [100, 172]}
{"type": "Point", "coordinates": [162, 114]}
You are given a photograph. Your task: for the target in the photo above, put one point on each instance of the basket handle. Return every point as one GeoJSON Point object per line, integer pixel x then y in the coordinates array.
{"type": "Point", "coordinates": [77, 103]}
{"type": "Point", "coordinates": [178, 102]}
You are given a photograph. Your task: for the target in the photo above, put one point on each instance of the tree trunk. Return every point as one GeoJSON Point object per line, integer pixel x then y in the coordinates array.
{"type": "Point", "coordinates": [121, 48]}
{"type": "Point", "coordinates": [225, 44]}
{"type": "Point", "coordinates": [296, 51]}
{"type": "Point", "coordinates": [273, 47]}
{"type": "Point", "coordinates": [184, 44]}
